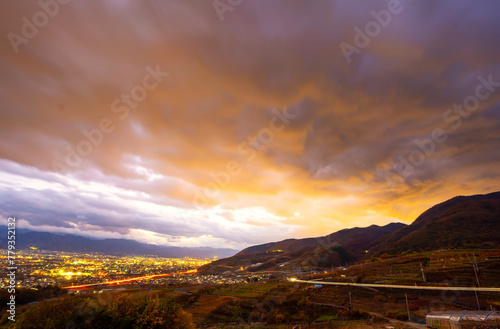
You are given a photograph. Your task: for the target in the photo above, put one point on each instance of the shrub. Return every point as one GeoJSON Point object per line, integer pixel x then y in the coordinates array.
{"type": "Point", "coordinates": [398, 314]}
{"type": "Point", "coordinates": [108, 311]}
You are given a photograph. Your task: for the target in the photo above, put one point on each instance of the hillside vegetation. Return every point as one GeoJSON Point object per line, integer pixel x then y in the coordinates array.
{"type": "Point", "coordinates": [471, 222]}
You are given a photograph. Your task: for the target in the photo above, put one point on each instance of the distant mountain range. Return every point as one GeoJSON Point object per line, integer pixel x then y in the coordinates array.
{"type": "Point", "coordinates": [461, 222]}
{"type": "Point", "coordinates": [117, 247]}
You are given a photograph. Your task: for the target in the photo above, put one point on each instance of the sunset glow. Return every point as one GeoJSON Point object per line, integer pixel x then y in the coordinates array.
{"type": "Point", "coordinates": [179, 126]}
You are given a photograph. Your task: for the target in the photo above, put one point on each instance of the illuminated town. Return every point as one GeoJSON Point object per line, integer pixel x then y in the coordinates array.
{"type": "Point", "coordinates": [38, 268]}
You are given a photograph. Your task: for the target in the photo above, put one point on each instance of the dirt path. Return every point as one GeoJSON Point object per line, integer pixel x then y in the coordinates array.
{"type": "Point", "coordinates": [410, 324]}
{"type": "Point", "coordinates": [390, 320]}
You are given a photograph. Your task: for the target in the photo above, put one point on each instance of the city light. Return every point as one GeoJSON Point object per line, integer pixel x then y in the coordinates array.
{"type": "Point", "coordinates": [78, 271]}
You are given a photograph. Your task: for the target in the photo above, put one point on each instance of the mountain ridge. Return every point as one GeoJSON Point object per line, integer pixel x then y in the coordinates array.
{"type": "Point", "coordinates": [460, 222]}
{"type": "Point", "coordinates": [114, 247]}
{"type": "Point", "coordinates": [308, 252]}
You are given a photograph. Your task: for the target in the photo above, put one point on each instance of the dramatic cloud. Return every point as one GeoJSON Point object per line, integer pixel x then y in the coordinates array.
{"type": "Point", "coordinates": [191, 124]}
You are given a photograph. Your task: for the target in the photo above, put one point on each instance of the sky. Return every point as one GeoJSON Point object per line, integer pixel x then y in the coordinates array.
{"type": "Point", "coordinates": [232, 123]}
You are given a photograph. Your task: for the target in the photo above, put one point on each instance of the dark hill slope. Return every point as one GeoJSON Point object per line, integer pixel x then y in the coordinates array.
{"type": "Point", "coordinates": [357, 240]}
{"type": "Point", "coordinates": [461, 222]}
{"type": "Point", "coordinates": [331, 250]}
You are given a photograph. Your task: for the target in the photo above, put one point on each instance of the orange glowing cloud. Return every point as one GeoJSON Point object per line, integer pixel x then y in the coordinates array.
{"type": "Point", "coordinates": [160, 121]}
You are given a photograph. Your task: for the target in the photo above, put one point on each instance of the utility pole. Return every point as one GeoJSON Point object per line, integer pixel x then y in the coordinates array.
{"type": "Point", "coordinates": [477, 300]}
{"type": "Point", "coordinates": [422, 269]}
{"type": "Point", "coordinates": [476, 270]}
{"type": "Point", "coordinates": [407, 307]}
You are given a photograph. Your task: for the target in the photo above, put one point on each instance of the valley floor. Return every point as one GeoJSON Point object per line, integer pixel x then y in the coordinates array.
{"type": "Point", "coordinates": [275, 303]}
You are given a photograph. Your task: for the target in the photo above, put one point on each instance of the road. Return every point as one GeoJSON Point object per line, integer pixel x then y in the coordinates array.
{"type": "Point", "coordinates": [117, 282]}
{"type": "Point", "coordinates": [394, 286]}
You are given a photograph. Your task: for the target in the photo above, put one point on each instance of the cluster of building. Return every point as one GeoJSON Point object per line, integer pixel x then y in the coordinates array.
{"type": "Point", "coordinates": [197, 278]}
{"type": "Point", "coordinates": [43, 268]}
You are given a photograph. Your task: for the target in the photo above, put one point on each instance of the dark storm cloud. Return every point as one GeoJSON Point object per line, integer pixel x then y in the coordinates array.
{"type": "Point", "coordinates": [354, 121]}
